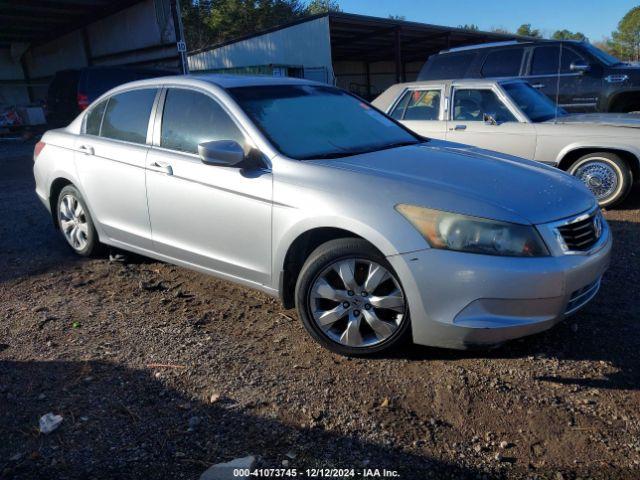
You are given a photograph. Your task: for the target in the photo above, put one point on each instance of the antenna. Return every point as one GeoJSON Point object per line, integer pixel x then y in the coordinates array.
{"type": "Point", "coordinates": [558, 83]}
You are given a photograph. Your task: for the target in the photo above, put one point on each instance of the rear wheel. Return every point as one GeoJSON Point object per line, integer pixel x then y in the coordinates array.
{"type": "Point", "coordinates": [75, 222]}
{"type": "Point", "coordinates": [350, 300]}
{"type": "Point", "coordinates": [605, 174]}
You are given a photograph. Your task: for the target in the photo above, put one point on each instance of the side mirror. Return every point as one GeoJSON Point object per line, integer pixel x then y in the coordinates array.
{"type": "Point", "coordinates": [224, 153]}
{"type": "Point", "coordinates": [489, 118]}
{"type": "Point", "coordinates": [579, 67]}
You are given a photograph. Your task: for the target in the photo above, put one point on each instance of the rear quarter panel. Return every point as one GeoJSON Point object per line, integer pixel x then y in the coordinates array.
{"type": "Point", "coordinates": [57, 161]}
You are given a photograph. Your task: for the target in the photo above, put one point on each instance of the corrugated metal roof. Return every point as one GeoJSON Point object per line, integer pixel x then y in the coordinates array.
{"type": "Point", "coordinates": [372, 38]}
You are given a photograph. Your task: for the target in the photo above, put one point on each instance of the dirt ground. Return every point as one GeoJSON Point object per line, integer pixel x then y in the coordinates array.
{"type": "Point", "coordinates": [160, 372]}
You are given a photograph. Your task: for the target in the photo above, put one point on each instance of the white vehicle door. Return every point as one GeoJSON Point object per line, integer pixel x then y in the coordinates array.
{"type": "Point", "coordinates": [480, 117]}
{"type": "Point", "coordinates": [421, 110]}
{"type": "Point", "coordinates": [216, 217]}
{"type": "Point", "coordinates": [110, 161]}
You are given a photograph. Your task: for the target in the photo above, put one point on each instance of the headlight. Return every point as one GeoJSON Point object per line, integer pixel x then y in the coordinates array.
{"type": "Point", "coordinates": [452, 231]}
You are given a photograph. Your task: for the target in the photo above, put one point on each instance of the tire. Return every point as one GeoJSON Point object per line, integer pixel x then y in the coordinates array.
{"type": "Point", "coordinates": [76, 224]}
{"type": "Point", "coordinates": [606, 174]}
{"type": "Point", "coordinates": [322, 295]}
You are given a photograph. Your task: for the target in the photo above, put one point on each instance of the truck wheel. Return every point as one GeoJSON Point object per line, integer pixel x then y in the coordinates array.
{"type": "Point", "coordinates": [605, 174]}
{"type": "Point", "coordinates": [350, 300]}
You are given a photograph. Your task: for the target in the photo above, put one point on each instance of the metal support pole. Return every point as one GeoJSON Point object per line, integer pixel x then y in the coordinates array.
{"type": "Point", "coordinates": [398, 56]}
{"type": "Point", "coordinates": [86, 43]}
{"type": "Point", "coordinates": [367, 67]}
{"type": "Point", "coordinates": [27, 78]}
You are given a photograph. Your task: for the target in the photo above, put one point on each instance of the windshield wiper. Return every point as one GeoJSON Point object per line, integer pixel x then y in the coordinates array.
{"type": "Point", "coordinates": [403, 144]}
{"type": "Point", "coordinates": [355, 151]}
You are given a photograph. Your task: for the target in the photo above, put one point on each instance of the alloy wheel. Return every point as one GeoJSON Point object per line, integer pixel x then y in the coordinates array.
{"type": "Point", "coordinates": [357, 302]}
{"type": "Point", "coordinates": [73, 222]}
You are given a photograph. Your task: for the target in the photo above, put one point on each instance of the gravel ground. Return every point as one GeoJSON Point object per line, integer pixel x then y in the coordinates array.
{"type": "Point", "coordinates": [160, 372]}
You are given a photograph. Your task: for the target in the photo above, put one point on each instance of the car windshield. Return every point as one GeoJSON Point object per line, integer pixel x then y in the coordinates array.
{"type": "Point", "coordinates": [313, 121]}
{"type": "Point", "coordinates": [604, 57]}
{"type": "Point", "coordinates": [535, 105]}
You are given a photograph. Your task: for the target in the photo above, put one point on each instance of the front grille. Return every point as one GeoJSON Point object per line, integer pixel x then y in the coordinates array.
{"type": "Point", "coordinates": [582, 296]}
{"type": "Point", "coordinates": [582, 235]}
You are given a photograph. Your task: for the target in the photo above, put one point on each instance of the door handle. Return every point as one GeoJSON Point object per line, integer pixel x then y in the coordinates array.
{"type": "Point", "coordinates": [86, 149]}
{"type": "Point", "coordinates": [459, 127]}
{"type": "Point", "coordinates": [538, 85]}
{"type": "Point", "coordinates": [162, 167]}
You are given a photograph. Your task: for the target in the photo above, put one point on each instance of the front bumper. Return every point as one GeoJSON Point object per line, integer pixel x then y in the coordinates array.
{"type": "Point", "coordinates": [458, 300]}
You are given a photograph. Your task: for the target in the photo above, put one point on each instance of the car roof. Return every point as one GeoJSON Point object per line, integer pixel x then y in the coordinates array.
{"type": "Point", "coordinates": [222, 80]}
{"type": "Point", "coordinates": [510, 43]}
{"type": "Point", "coordinates": [462, 81]}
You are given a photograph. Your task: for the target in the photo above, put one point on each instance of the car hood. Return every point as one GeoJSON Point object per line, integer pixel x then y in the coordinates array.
{"type": "Point", "coordinates": [472, 181]}
{"type": "Point", "coordinates": [609, 119]}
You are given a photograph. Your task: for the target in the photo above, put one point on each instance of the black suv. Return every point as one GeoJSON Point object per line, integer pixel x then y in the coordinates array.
{"type": "Point", "coordinates": [579, 76]}
{"type": "Point", "coordinates": [71, 91]}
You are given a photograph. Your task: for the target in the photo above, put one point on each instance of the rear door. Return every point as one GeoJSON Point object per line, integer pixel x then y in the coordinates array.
{"type": "Point", "coordinates": [422, 110]}
{"type": "Point", "coordinates": [469, 124]}
{"type": "Point", "coordinates": [110, 160]}
{"type": "Point", "coordinates": [503, 62]}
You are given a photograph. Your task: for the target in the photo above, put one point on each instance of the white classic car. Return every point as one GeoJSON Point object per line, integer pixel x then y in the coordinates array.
{"type": "Point", "coordinates": [512, 117]}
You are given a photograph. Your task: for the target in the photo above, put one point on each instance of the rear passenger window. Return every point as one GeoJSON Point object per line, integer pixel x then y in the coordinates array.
{"type": "Point", "coordinates": [546, 60]}
{"type": "Point", "coordinates": [418, 105]}
{"type": "Point", "coordinates": [190, 118]}
{"type": "Point", "coordinates": [94, 119]}
{"type": "Point", "coordinates": [127, 116]}
{"type": "Point", "coordinates": [503, 63]}
{"type": "Point", "coordinates": [448, 66]}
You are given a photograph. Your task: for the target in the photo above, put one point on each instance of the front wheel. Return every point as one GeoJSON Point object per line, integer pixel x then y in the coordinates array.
{"type": "Point", "coordinates": [605, 174]}
{"type": "Point", "coordinates": [350, 300]}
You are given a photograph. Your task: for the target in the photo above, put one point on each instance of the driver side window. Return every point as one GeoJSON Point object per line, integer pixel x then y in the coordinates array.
{"type": "Point", "coordinates": [471, 105]}
{"type": "Point", "coordinates": [191, 117]}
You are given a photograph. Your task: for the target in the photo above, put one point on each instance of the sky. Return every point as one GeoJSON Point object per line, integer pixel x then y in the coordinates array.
{"type": "Point", "coordinates": [596, 19]}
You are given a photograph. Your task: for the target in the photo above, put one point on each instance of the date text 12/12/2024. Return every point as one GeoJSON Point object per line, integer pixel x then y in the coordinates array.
{"type": "Point", "coordinates": [334, 473]}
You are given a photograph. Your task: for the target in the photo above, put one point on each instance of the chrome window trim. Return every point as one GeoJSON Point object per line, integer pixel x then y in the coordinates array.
{"type": "Point", "coordinates": [551, 75]}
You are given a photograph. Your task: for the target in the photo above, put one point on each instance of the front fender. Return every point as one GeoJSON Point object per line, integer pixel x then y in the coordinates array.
{"type": "Point", "coordinates": [285, 235]}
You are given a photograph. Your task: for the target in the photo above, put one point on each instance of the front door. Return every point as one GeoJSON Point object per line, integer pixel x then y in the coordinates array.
{"type": "Point", "coordinates": [110, 161]}
{"type": "Point", "coordinates": [214, 217]}
{"type": "Point", "coordinates": [472, 112]}
{"type": "Point", "coordinates": [550, 72]}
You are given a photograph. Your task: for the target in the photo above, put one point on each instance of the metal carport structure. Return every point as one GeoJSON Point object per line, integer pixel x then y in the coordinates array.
{"type": "Point", "coordinates": [40, 37]}
{"type": "Point", "coordinates": [361, 53]}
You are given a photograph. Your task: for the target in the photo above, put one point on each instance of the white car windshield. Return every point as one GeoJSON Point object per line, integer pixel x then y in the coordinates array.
{"type": "Point", "coordinates": [313, 121]}
{"type": "Point", "coordinates": [534, 104]}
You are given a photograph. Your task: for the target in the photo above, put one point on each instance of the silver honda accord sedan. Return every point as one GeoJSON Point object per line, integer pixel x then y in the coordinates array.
{"type": "Point", "coordinates": [301, 190]}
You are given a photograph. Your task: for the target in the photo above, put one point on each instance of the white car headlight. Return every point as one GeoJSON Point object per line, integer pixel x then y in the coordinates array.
{"type": "Point", "coordinates": [452, 231]}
